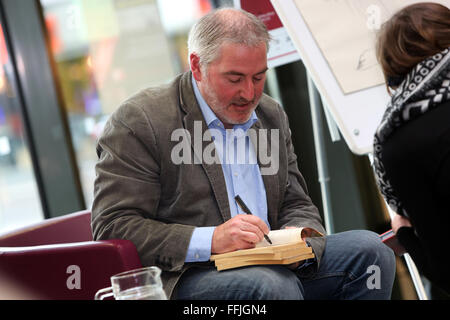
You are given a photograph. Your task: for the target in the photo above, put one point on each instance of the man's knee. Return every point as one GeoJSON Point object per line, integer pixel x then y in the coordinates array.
{"type": "Point", "coordinates": [375, 252]}
{"type": "Point", "coordinates": [373, 246]}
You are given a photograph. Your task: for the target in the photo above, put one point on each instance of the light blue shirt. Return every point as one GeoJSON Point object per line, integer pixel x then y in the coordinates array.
{"type": "Point", "coordinates": [241, 172]}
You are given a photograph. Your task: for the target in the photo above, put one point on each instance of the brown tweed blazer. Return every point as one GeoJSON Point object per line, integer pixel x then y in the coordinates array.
{"type": "Point", "coordinates": [142, 196]}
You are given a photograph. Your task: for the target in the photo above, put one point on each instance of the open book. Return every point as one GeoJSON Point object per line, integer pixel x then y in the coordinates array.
{"type": "Point", "coordinates": [287, 247]}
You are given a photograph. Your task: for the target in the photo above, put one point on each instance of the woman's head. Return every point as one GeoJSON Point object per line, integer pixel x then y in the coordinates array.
{"type": "Point", "coordinates": [413, 34]}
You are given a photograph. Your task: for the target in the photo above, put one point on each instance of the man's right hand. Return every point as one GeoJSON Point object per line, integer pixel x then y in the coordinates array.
{"type": "Point", "coordinates": [240, 232]}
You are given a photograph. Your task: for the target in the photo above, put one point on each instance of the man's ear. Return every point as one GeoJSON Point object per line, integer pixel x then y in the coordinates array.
{"type": "Point", "coordinates": [195, 66]}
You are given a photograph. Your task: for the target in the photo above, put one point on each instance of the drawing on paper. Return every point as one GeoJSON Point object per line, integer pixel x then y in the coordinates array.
{"type": "Point", "coordinates": [345, 31]}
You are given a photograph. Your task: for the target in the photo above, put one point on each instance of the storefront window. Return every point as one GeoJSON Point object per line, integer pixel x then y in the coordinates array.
{"type": "Point", "coordinates": [19, 197]}
{"type": "Point", "coordinates": [107, 50]}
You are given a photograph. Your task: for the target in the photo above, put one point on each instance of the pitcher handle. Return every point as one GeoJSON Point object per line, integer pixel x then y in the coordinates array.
{"type": "Point", "coordinates": [104, 293]}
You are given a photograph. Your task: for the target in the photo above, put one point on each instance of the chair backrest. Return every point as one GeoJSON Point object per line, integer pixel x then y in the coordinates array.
{"type": "Point", "coordinates": [74, 227]}
{"type": "Point", "coordinates": [57, 259]}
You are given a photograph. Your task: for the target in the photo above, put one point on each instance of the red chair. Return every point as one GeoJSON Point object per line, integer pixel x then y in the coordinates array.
{"type": "Point", "coordinates": [57, 259]}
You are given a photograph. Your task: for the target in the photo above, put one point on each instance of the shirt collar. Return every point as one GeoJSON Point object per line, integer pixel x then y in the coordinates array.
{"type": "Point", "coordinates": [210, 117]}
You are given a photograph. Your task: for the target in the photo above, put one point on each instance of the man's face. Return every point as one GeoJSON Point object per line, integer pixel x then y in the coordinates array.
{"type": "Point", "coordinates": [233, 83]}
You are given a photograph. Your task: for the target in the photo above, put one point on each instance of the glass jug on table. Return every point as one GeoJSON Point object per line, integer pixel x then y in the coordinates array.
{"type": "Point", "coordinates": [138, 284]}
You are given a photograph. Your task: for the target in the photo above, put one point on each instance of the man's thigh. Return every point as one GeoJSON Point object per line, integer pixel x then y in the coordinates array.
{"type": "Point", "coordinates": [354, 265]}
{"type": "Point", "coordinates": [248, 283]}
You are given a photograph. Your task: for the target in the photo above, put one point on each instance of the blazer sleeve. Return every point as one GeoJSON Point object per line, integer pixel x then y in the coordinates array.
{"type": "Point", "coordinates": [127, 191]}
{"type": "Point", "coordinates": [297, 209]}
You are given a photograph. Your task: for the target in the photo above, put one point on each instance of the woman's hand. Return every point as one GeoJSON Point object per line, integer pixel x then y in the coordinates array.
{"type": "Point", "coordinates": [399, 221]}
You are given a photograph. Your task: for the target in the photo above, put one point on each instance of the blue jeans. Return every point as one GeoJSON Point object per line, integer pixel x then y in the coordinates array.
{"type": "Point", "coordinates": [354, 265]}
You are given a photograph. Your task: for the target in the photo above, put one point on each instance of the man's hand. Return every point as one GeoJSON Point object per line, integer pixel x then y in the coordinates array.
{"type": "Point", "coordinates": [241, 232]}
{"type": "Point", "coordinates": [399, 221]}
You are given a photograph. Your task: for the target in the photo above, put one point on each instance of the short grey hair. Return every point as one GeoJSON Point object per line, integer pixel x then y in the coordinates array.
{"type": "Point", "coordinates": [225, 25]}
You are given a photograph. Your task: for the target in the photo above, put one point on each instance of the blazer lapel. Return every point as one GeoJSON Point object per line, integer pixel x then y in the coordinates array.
{"type": "Point", "coordinates": [270, 181]}
{"type": "Point", "coordinates": [196, 126]}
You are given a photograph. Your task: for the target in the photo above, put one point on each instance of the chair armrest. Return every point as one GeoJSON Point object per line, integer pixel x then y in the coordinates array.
{"type": "Point", "coordinates": [68, 271]}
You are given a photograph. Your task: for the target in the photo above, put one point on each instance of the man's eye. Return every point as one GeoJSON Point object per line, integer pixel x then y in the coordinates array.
{"type": "Point", "coordinates": [234, 80]}
{"type": "Point", "coordinates": [257, 79]}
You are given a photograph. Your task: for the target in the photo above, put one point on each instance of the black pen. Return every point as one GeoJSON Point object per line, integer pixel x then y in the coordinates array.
{"type": "Point", "coordinates": [247, 211]}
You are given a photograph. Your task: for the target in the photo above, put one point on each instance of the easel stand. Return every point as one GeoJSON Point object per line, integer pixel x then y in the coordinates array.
{"type": "Point", "coordinates": [316, 112]}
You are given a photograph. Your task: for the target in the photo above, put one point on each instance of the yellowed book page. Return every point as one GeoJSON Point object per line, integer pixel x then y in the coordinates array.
{"type": "Point", "coordinates": [275, 258]}
{"type": "Point", "coordinates": [269, 250]}
{"type": "Point", "coordinates": [280, 252]}
{"type": "Point", "coordinates": [237, 264]}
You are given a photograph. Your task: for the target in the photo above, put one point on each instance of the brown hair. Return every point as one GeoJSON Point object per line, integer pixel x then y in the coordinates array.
{"type": "Point", "coordinates": [413, 34]}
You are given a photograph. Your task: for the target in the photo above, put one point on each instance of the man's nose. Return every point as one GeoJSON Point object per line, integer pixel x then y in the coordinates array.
{"type": "Point", "coordinates": [248, 90]}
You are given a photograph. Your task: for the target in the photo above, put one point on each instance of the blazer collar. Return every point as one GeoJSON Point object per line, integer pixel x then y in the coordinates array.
{"type": "Point", "coordinates": [192, 119]}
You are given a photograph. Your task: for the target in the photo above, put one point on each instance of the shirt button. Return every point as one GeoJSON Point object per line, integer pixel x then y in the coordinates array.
{"type": "Point", "coordinates": [197, 256]}
{"type": "Point", "coordinates": [235, 174]}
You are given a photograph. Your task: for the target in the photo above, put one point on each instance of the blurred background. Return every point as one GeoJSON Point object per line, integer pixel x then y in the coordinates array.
{"type": "Point", "coordinates": [102, 52]}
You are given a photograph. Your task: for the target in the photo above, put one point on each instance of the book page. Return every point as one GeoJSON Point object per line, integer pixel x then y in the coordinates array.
{"type": "Point", "coordinates": [229, 264]}
{"type": "Point", "coordinates": [270, 251]}
{"type": "Point", "coordinates": [285, 236]}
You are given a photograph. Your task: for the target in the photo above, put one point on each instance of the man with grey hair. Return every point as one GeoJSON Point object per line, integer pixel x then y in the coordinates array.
{"type": "Point", "coordinates": [224, 25]}
{"type": "Point", "coordinates": [178, 213]}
